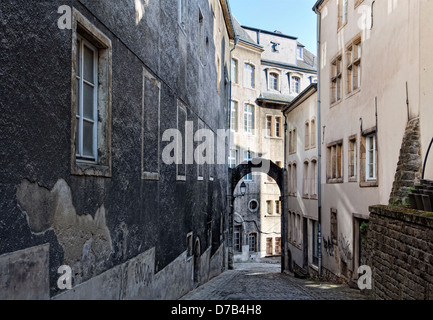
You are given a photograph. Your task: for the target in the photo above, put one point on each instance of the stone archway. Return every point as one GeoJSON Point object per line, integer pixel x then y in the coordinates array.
{"type": "Point", "coordinates": [261, 165]}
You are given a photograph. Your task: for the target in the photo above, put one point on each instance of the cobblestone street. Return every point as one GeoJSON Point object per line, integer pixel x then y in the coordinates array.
{"type": "Point", "coordinates": [264, 281]}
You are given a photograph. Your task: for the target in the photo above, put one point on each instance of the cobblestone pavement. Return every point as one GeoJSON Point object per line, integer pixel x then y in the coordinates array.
{"type": "Point", "coordinates": [264, 281]}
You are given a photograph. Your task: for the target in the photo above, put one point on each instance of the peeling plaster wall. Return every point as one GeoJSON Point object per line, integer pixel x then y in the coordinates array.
{"type": "Point", "coordinates": [85, 240]}
{"type": "Point", "coordinates": [97, 223]}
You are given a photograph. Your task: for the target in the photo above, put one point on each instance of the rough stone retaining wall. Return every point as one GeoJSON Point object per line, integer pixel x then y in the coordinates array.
{"type": "Point", "coordinates": [400, 253]}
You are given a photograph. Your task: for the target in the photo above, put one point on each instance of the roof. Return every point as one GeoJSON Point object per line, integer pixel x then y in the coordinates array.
{"type": "Point", "coordinates": [228, 18]}
{"type": "Point", "coordinates": [311, 89]}
{"type": "Point", "coordinates": [277, 98]}
{"type": "Point", "coordinates": [239, 31]}
{"type": "Point", "coordinates": [275, 33]}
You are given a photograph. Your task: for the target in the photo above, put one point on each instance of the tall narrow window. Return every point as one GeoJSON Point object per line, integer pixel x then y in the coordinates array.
{"type": "Point", "coordinates": [336, 80]}
{"type": "Point", "coordinates": [342, 12]}
{"type": "Point", "coordinates": [294, 180]}
{"type": "Point", "coordinates": [335, 162]}
{"type": "Point", "coordinates": [296, 85]}
{"type": "Point", "coordinates": [249, 80]}
{"type": "Point", "coordinates": [269, 207]}
{"type": "Point", "coordinates": [252, 242]}
{"type": "Point", "coordinates": [353, 54]}
{"type": "Point", "coordinates": [307, 135]}
{"type": "Point", "coordinates": [315, 251]}
{"type": "Point", "coordinates": [181, 127]}
{"type": "Point", "coordinates": [305, 187]}
{"type": "Point", "coordinates": [277, 206]}
{"type": "Point", "coordinates": [278, 127]}
{"type": "Point", "coordinates": [352, 158]}
{"type": "Point", "coordinates": [234, 116]}
{"type": "Point", "coordinates": [300, 52]}
{"type": "Point", "coordinates": [273, 81]}
{"type": "Point", "coordinates": [87, 106]}
{"type": "Point", "coordinates": [289, 179]}
{"type": "Point", "coordinates": [313, 133]}
{"type": "Point", "coordinates": [237, 238]}
{"type": "Point", "coordinates": [234, 68]}
{"type": "Point", "coordinates": [233, 158]}
{"type": "Point", "coordinates": [249, 118]}
{"type": "Point", "coordinates": [370, 157]}
{"type": "Point", "coordinates": [269, 246]}
{"type": "Point", "coordinates": [91, 99]}
{"type": "Point", "coordinates": [278, 245]}
{"type": "Point", "coordinates": [314, 178]}
{"type": "Point", "coordinates": [248, 157]}
{"type": "Point", "coordinates": [334, 226]}
{"type": "Point", "coordinates": [182, 11]}
{"type": "Point", "coordinates": [268, 125]}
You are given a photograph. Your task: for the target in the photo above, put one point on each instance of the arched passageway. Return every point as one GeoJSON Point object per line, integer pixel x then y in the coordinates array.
{"type": "Point", "coordinates": [236, 174]}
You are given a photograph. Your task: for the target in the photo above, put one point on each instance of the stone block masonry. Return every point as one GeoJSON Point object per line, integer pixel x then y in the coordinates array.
{"type": "Point", "coordinates": [400, 253]}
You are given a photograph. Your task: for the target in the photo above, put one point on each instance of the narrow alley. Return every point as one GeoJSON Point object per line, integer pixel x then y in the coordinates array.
{"type": "Point", "coordinates": [244, 281]}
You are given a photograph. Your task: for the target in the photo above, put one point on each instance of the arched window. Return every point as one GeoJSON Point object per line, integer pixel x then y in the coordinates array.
{"type": "Point", "coordinates": [305, 189]}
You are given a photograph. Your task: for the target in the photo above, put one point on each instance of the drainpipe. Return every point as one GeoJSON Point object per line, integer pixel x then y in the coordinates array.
{"type": "Point", "coordinates": [319, 136]}
{"type": "Point", "coordinates": [229, 188]}
{"type": "Point", "coordinates": [283, 202]}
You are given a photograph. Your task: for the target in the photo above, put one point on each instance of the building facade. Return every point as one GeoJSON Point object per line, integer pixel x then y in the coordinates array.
{"type": "Point", "coordinates": [373, 90]}
{"type": "Point", "coordinates": [301, 183]}
{"type": "Point", "coordinates": [99, 106]}
{"type": "Point", "coordinates": [269, 69]}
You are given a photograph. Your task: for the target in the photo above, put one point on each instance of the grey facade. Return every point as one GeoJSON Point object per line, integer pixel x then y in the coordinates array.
{"type": "Point", "coordinates": [126, 214]}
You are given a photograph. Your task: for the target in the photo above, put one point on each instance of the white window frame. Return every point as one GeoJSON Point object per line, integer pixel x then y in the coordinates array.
{"type": "Point", "coordinates": [296, 84]}
{"type": "Point", "coordinates": [249, 118]}
{"type": "Point", "coordinates": [369, 149]}
{"type": "Point", "coordinates": [233, 157]}
{"type": "Point", "coordinates": [268, 128]}
{"type": "Point", "coordinates": [80, 157]}
{"type": "Point", "coordinates": [249, 73]}
{"type": "Point", "coordinates": [274, 81]}
{"type": "Point", "coordinates": [300, 53]}
{"type": "Point", "coordinates": [248, 156]}
{"type": "Point", "coordinates": [278, 120]}
{"type": "Point", "coordinates": [235, 70]}
{"type": "Point", "coordinates": [234, 116]}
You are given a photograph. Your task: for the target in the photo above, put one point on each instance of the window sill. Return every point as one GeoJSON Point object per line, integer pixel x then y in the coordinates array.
{"type": "Point", "coordinates": [91, 169]}
{"type": "Point", "coordinates": [314, 267]}
{"type": "Point", "coordinates": [341, 27]}
{"type": "Point", "coordinates": [353, 179]}
{"type": "Point", "coordinates": [334, 181]}
{"type": "Point", "coordinates": [353, 92]}
{"type": "Point", "coordinates": [369, 184]}
{"type": "Point", "coordinates": [333, 104]}
{"type": "Point", "coordinates": [181, 178]}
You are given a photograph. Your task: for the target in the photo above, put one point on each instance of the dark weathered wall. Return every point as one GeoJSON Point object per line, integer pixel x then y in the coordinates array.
{"type": "Point", "coordinates": [400, 253]}
{"type": "Point", "coordinates": [96, 223]}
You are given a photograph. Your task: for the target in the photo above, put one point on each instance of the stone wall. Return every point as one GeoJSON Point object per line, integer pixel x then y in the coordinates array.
{"type": "Point", "coordinates": [409, 166]}
{"type": "Point", "coordinates": [400, 253]}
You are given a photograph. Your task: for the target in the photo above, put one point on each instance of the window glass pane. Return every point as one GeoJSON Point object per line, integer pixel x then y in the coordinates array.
{"type": "Point", "coordinates": [77, 137]}
{"type": "Point", "coordinates": [79, 58]}
{"type": "Point", "coordinates": [88, 101]}
{"type": "Point", "coordinates": [78, 97]}
{"type": "Point", "coordinates": [88, 64]}
{"type": "Point", "coordinates": [87, 139]}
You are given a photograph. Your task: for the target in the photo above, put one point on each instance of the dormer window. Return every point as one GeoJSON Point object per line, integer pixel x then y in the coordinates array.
{"type": "Point", "coordinates": [300, 53]}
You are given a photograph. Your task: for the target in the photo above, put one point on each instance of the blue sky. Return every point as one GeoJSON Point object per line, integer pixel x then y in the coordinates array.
{"type": "Point", "coordinates": [293, 17]}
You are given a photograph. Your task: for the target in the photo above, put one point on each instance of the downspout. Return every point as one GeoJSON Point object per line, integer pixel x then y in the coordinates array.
{"type": "Point", "coordinates": [283, 200]}
{"type": "Point", "coordinates": [319, 137]}
{"type": "Point", "coordinates": [229, 187]}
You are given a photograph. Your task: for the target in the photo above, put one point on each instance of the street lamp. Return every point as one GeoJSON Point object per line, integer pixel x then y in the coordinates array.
{"type": "Point", "coordinates": [243, 188]}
